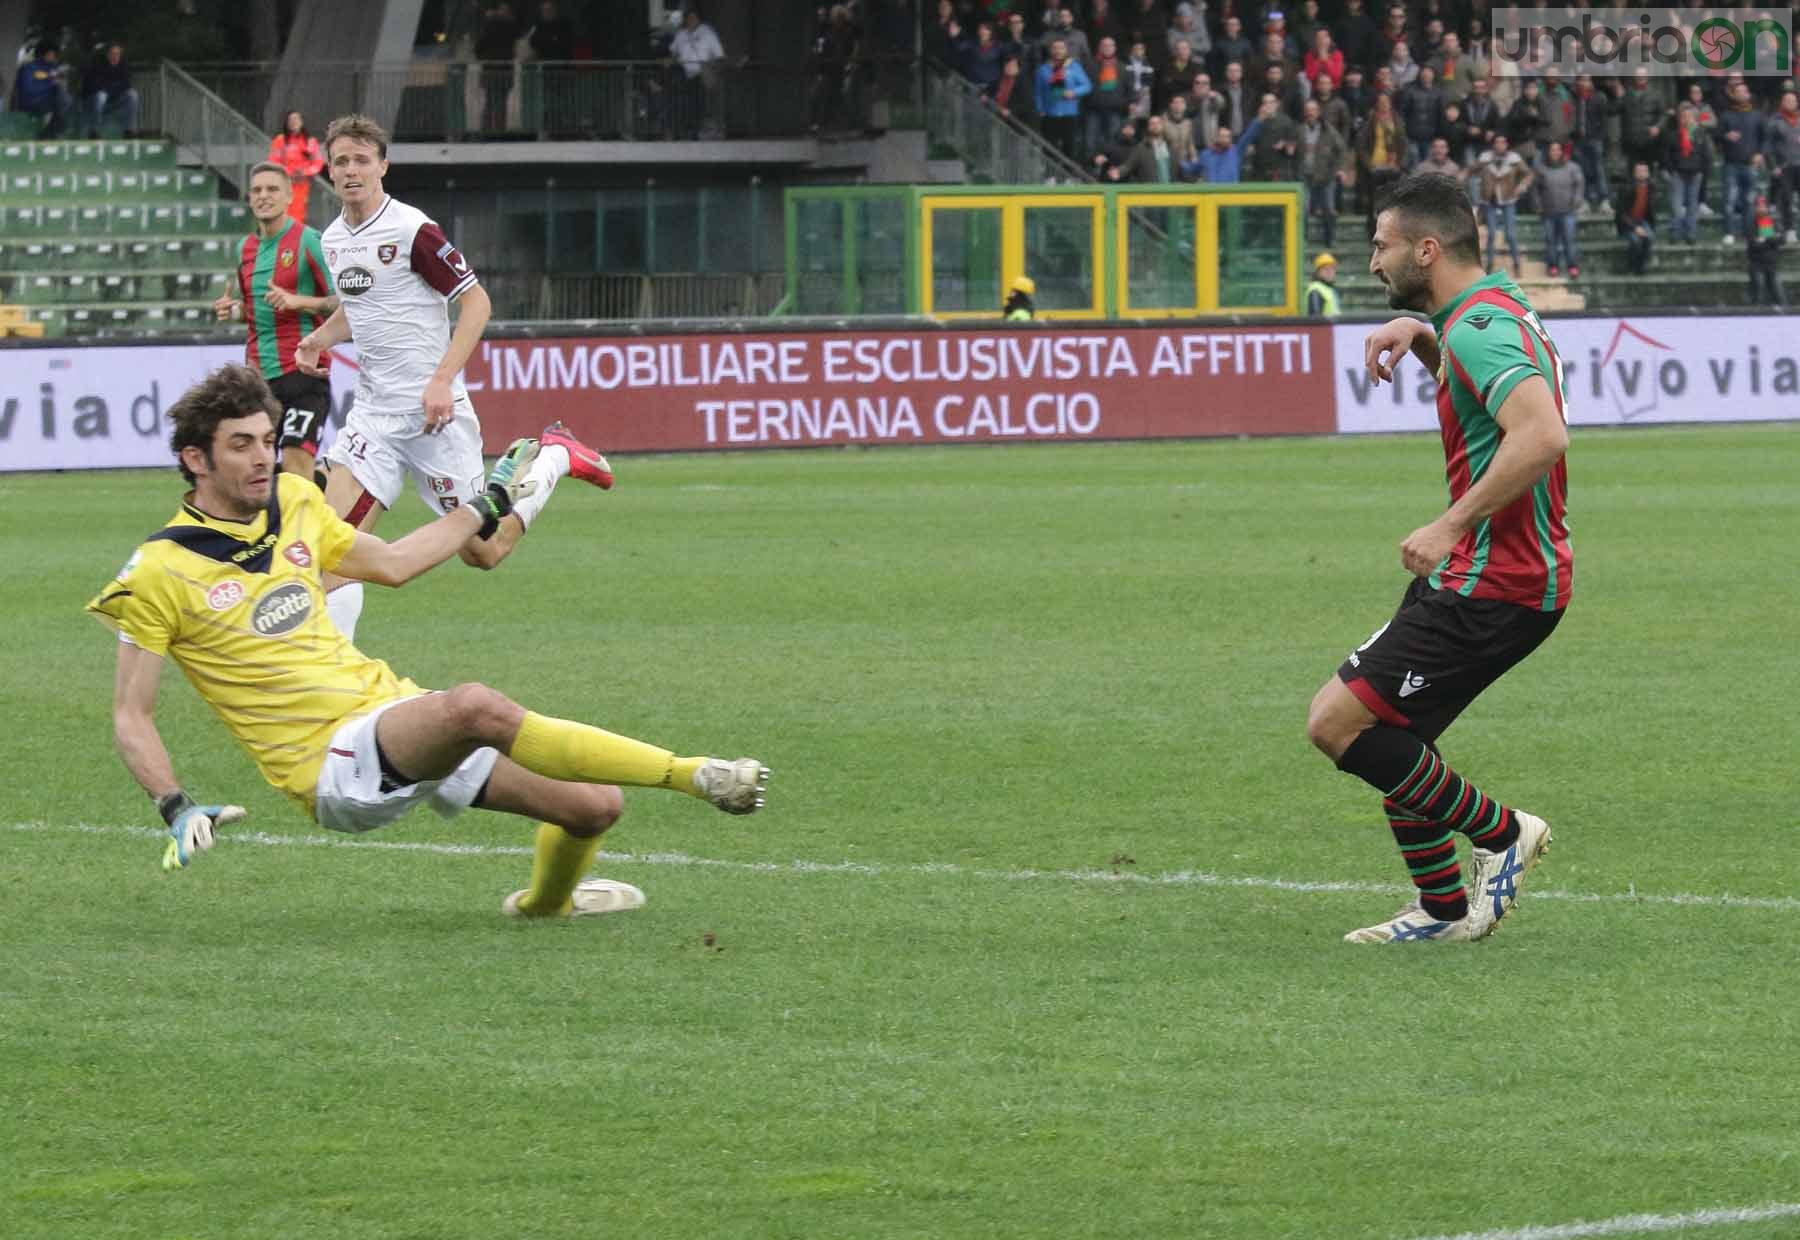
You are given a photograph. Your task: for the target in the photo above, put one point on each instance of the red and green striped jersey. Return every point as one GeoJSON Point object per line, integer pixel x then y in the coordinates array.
{"type": "Point", "coordinates": [1490, 339]}
{"type": "Point", "coordinates": [294, 261]}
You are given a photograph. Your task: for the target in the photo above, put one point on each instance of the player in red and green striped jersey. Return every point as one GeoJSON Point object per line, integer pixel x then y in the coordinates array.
{"type": "Point", "coordinates": [282, 290]}
{"type": "Point", "coordinates": [1491, 575]}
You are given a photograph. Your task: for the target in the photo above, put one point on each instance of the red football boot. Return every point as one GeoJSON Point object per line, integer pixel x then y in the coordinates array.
{"type": "Point", "coordinates": [584, 463]}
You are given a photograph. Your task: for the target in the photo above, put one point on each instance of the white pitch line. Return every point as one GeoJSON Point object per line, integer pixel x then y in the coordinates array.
{"type": "Point", "coordinates": [1635, 1224]}
{"type": "Point", "coordinates": [874, 869]}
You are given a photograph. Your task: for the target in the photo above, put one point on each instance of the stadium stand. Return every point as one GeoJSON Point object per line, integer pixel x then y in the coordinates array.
{"type": "Point", "coordinates": [109, 238]}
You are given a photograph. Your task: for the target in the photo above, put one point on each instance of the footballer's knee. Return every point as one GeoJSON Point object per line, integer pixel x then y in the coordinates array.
{"type": "Point", "coordinates": [483, 714]}
{"type": "Point", "coordinates": [592, 810]}
{"type": "Point", "coordinates": [1329, 726]}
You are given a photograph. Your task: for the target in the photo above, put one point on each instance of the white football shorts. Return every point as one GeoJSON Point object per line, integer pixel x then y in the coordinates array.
{"type": "Point", "coordinates": [381, 449]}
{"type": "Point", "coordinates": [349, 796]}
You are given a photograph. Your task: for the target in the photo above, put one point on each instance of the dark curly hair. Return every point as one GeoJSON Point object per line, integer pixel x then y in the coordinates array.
{"type": "Point", "coordinates": [228, 392]}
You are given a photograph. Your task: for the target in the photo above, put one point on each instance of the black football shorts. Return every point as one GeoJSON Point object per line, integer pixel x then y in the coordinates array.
{"type": "Point", "coordinates": [1422, 668]}
{"type": "Point", "coordinates": [305, 404]}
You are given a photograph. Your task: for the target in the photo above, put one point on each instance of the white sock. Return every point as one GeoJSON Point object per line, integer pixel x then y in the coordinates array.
{"type": "Point", "coordinates": [550, 467]}
{"type": "Point", "coordinates": [344, 606]}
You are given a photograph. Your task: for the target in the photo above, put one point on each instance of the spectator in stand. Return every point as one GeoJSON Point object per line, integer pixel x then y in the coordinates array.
{"type": "Point", "coordinates": [1687, 156]}
{"type": "Point", "coordinates": [1380, 146]}
{"type": "Point", "coordinates": [1230, 47]}
{"type": "Point", "coordinates": [553, 37]}
{"type": "Point", "coordinates": [1440, 162]}
{"type": "Point", "coordinates": [1110, 98]}
{"type": "Point", "coordinates": [1742, 133]}
{"type": "Point", "coordinates": [39, 89]}
{"type": "Point", "coordinates": [1109, 164]}
{"type": "Point", "coordinates": [1073, 37]}
{"type": "Point", "coordinates": [1206, 108]}
{"type": "Point", "coordinates": [1272, 52]}
{"type": "Point", "coordinates": [1153, 162]}
{"type": "Point", "coordinates": [1012, 95]}
{"type": "Point", "coordinates": [1484, 117]}
{"type": "Point", "coordinates": [1321, 167]}
{"type": "Point", "coordinates": [1403, 71]}
{"type": "Point", "coordinates": [1274, 151]}
{"type": "Point", "coordinates": [1505, 176]}
{"type": "Point", "coordinates": [1392, 31]}
{"type": "Point", "coordinates": [1358, 99]}
{"type": "Point", "coordinates": [1178, 129]}
{"type": "Point", "coordinates": [1355, 34]}
{"type": "Point", "coordinates": [1559, 110]}
{"type": "Point", "coordinates": [1455, 69]}
{"type": "Point", "coordinates": [699, 55]}
{"type": "Point", "coordinates": [1323, 58]}
{"type": "Point", "coordinates": [298, 152]}
{"type": "Point", "coordinates": [1222, 162]}
{"type": "Point", "coordinates": [1176, 77]}
{"type": "Point", "coordinates": [1240, 108]}
{"type": "Point", "coordinates": [1103, 23]}
{"type": "Point", "coordinates": [1634, 213]}
{"type": "Point", "coordinates": [1526, 123]}
{"type": "Point", "coordinates": [1275, 23]}
{"type": "Point", "coordinates": [1641, 121]}
{"type": "Point", "coordinates": [1336, 112]}
{"type": "Point", "coordinates": [1140, 82]}
{"type": "Point", "coordinates": [495, 46]}
{"type": "Point", "coordinates": [834, 63]}
{"type": "Point", "coordinates": [1020, 45]}
{"type": "Point", "coordinates": [1321, 294]}
{"type": "Point", "coordinates": [1151, 24]}
{"type": "Point", "coordinates": [1784, 154]}
{"type": "Point", "coordinates": [1453, 132]}
{"type": "Point", "coordinates": [1709, 124]}
{"type": "Point", "coordinates": [1561, 190]}
{"type": "Point", "coordinates": [1061, 86]}
{"type": "Point", "coordinates": [1764, 255]}
{"type": "Point", "coordinates": [984, 57]}
{"type": "Point", "coordinates": [1592, 107]}
{"type": "Point", "coordinates": [106, 89]}
{"type": "Point", "coordinates": [1307, 27]}
{"type": "Point", "coordinates": [955, 50]}
{"type": "Point", "coordinates": [1421, 112]}
{"type": "Point", "coordinates": [1289, 93]}
{"type": "Point", "coordinates": [1429, 41]}
{"type": "Point", "coordinates": [1190, 25]}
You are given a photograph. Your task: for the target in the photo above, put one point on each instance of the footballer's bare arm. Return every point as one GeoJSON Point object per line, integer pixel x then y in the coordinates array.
{"type": "Point", "coordinates": [396, 563]}
{"type": "Point", "coordinates": [334, 330]}
{"type": "Point", "coordinates": [139, 744]}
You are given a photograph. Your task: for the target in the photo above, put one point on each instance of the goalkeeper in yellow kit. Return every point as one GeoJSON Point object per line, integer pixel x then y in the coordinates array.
{"type": "Point", "coordinates": [230, 590]}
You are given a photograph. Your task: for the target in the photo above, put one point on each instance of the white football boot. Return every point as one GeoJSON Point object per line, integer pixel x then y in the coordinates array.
{"type": "Point", "coordinates": [593, 896]}
{"type": "Point", "coordinates": [1495, 877]}
{"type": "Point", "coordinates": [735, 787]}
{"type": "Point", "coordinates": [1413, 924]}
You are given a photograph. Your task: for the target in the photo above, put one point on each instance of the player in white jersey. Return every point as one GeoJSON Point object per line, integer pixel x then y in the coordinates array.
{"type": "Point", "coordinates": [396, 274]}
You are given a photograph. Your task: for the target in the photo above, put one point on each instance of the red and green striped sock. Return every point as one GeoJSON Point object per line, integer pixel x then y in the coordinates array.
{"type": "Point", "coordinates": [1429, 850]}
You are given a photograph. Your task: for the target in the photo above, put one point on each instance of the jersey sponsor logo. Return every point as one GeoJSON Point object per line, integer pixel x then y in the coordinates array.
{"type": "Point", "coordinates": [225, 595]}
{"type": "Point", "coordinates": [282, 610]}
{"type": "Point", "coordinates": [1412, 683]}
{"type": "Point", "coordinates": [355, 281]}
{"type": "Point", "coordinates": [442, 486]}
{"type": "Point", "coordinates": [386, 253]}
{"type": "Point", "coordinates": [450, 254]}
{"type": "Point", "coordinates": [261, 546]}
{"type": "Point", "coordinates": [298, 554]}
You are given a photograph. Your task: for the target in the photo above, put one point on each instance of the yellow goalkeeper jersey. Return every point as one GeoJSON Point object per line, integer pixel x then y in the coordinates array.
{"type": "Point", "coordinates": [239, 606]}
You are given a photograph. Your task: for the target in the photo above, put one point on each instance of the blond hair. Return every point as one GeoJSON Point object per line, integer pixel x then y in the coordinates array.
{"type": "Point", "coordinates": [360, 127]}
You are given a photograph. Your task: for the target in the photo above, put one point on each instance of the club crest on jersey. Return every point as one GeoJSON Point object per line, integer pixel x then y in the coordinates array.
{"type": "Point", "coordinates": [331, 257]}
{"type": "Point", "coordinates": [225, 595]}
{"type": "Point", "coordinates": [298, 554]}
{"type": "Point", "coordinates": [442, 486]}
{"type": "Point", "coordinates": [355, 281]}
{"type": "Point", "coordinates": [282, 610]}
{"type": "Point", "coordinates": [448, 503]}
{"type": "Point", "coordinates": [386, 253]}
{"type": "Point", "coordinates": [286, 259]}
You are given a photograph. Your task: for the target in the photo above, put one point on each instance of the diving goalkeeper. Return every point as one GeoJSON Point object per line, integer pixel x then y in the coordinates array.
{"type": "Point", "coordinates": [230, 590]}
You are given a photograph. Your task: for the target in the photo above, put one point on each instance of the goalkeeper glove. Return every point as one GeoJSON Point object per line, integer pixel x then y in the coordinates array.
{"type": "Point", "coordinates": [507, 484]}
{"type": "Point", "coordinates": [191, 827]}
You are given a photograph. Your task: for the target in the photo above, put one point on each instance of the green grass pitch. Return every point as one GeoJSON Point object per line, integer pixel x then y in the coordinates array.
{"type": "Point", "coordinates": [1040, 932]}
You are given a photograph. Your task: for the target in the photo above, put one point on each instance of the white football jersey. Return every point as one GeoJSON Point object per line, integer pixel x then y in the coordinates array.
{"type": "Point", "coordinates": [396, 275]}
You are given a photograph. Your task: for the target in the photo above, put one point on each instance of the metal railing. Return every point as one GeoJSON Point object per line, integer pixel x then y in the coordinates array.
{"type": "Point", "coordinates": [994, 149]}
{"type": "Point", "coordinates": [224, 140]}
{"type": "Point", "coordinates": [433, 100]}
{"type": "Point", "coordinates": [532, 295]}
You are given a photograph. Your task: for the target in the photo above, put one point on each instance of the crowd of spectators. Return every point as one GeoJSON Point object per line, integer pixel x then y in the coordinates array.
{"type": "Point", "coordinates": [1345, 100]}
{"type": "Point", "coordinates": [102, 100]}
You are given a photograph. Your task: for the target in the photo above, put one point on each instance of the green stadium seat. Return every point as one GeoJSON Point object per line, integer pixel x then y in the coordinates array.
{"type": "Point", "coordinates": [29, 256]}
{"type": "Point", "coordinates": [37, 290]}
{"type": "Point", "coordinates": [160, 182]}
{"type": "Point", "coordinates": [186, 285]}
{"type": "Point", "coordinates": [116, 287]}
{"type": "Point", "coordinates": [159, 154]}
{"type": "Point", "coordinates": [15, 154]}
{"type": "Point", "coordinates": [194, 217]}
{"type": "Point", "coordinates": [57, 221]}
{"type": "Point", "coordinates": [127, 218]}
{"type": "Point", "coordinates": [169, 253]}
{"type": "Point", "coordinates": [87, 153]}
{"type": "Point", "coordinates": [91, 218]}
{"type": "Point", "coordinates": [92, 185]}
{"type": "Point", "coordinates": [161, 218]}
{"type": "Point", "coordinates": [140, 253]}
{"type": "Point", "coordinates": [118, 152]}
{"type": "Point", "coordinates": [52, 152]}
{"type": "Point", "coordinates": [54, 322]}
{"type": "Point", "coordinates": [191, 318]}
{"type": "Point", "coordinates": [197, 184]}
{"type": "Point", "coordinates": [127, 182]}
{"type": "Point", "coordinates": [78, 287]}
{"type": "Point", "coordinates": [58, 185]}
{"type": "Point", "coordinates": [20, 221]}
{"type": "Point", "coordinates": [232, 217]}
{"type": "Point", "coordinates": [20, 184]}
{"type": "Point", "coordinates": [17, 126]}
{"type": "Point", "coordinates": [215, 251]}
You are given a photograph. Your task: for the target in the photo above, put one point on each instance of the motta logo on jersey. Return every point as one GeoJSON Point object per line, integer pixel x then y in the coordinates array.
{"type": "Point", "coordinates": [355, 281]}
{"type": "Point", "coordinates": [298, 554]}
{"type": "Point", "coordinates": [225, 595]}
{"type": "Point", "coordinates": [386, 253]}
{"type": "Point", "coordinates": [282, 610]}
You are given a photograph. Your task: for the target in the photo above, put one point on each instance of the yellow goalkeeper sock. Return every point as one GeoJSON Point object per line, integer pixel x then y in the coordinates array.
{"type": "Point", "coordinates": [563, 749]}
{"type": "Point", "coordinates": [557, 865]}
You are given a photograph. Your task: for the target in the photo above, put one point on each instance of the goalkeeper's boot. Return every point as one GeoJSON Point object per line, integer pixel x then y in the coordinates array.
{"type": "Point", "coordinates": [593, 896]}
{"type": "Point", "coordinates": [735, 787]}
{"type": "Point", "coordinates": [517, 459]}
{"type": "Point", "coordinates": [584, 463]}
{"type": "Point", "coordinates": [1495, 877]}
{"type": "Point", "coordinates": [1413, 924]}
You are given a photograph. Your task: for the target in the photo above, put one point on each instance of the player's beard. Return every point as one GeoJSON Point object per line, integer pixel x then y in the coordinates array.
{"type": "Point", "coordinates": [1408, 289]}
